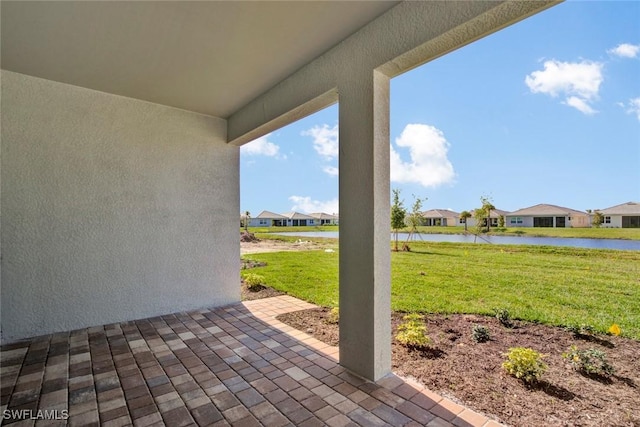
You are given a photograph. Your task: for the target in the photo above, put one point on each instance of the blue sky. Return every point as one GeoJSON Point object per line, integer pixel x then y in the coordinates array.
{"type": "Point", "coordinates": [544, 111]}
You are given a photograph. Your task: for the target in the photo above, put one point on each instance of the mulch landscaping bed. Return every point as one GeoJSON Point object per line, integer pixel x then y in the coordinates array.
{"type": "Point", "coordinates": [265, 292]}
{"type": "Point", "coordinates": [471, 373]}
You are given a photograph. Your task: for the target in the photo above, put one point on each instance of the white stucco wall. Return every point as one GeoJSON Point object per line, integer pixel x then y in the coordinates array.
{"type": "Point", "coordinates": [527, 221]}
{"type": "Point", "coordinates": [616, 222]}
{"type": "Point", "coordinates": [112, 209]}
{"type": "Point", "coordinates": [255, 222]}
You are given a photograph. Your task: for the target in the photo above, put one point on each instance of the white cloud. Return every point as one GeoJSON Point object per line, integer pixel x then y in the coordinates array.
{"type": "Point", "coordinates": [429, 165]}
{"type": "Point", "coordinates": [579, 82]}
{"type": "Point", "coordinates": [261, 147]}
{"type": "Point", "coordinates": [325, 140]}
{"type": "Point", "coordinates": [580, 105]}
{"type": "Point", "coordinates": [625, 50]}
{"type": "Point", "coordinates": [304, 204]}
{"type": "Point", "coordinates": [634, 107]}
{"type": "Point", "coordinates": [330, 170]}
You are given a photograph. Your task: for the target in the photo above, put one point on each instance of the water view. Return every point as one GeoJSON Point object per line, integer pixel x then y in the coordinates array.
{"type": "Point", "coordinates": [629, 245]}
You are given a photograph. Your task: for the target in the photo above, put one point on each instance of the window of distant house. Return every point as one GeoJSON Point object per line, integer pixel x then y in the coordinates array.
{"type": "Point", "coordinates": [607, 220]}
{"type": "Point", "coordinates": [263, 222]}
{"type": "Point", "coordinates": [462, 220]}
{"type": "Point", "coordinates": [515, 220]}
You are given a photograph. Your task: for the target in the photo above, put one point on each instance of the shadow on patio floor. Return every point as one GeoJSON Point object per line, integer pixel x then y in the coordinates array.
{"type": "Point", "coordinates": [235, 365]}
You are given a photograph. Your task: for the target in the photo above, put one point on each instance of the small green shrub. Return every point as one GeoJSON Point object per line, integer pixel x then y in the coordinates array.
{"type": "Point", "coordinates": [581, 330]}
{"type": "Point", "coordinates": [591, 361]}
{"type": "Point", "coordinates": [504, 317]}
{"type": "Point", "coordinates": [524, 364]}
{"type": "Point", "coordinates": [334, 315]}
{"type": "Point", "coordinates": [480, 333]}
{"type": "Point", "coordinates": [413, 332]}
{"type": "Point", "coordinates": [254, 281]}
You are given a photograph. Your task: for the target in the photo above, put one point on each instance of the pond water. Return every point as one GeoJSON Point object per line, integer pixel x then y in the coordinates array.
{"type": "Point", "coordinates": [630, 245]}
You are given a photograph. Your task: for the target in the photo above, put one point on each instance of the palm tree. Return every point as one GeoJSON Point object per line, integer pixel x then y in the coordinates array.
{"type": "Point", "coordinates": [464, 216]}
{"type": "Point", "coordinates": [486, 209]}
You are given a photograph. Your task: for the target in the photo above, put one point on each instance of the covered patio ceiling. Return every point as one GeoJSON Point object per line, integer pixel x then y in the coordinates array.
{"type": "Point", "coordinates": [207, 57]}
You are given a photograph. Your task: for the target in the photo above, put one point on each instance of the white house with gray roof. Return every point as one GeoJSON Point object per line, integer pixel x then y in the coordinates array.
{"type": "Point", "coordinates": [544, 215]}
{"type": "Point", "coordinates": [322, 218]}
{"type": "Point", "coordinates": [268, 219]}
{"type": "Point", "coordinates": [626, 215]}
{"type": "Point", "coordinates": [297, 219]}
{"type": "Point", "coordinates": [291, 219]}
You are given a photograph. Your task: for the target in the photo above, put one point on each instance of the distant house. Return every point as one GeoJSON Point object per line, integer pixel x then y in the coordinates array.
{"type": "Point", "coordinates": [297, 219]}
{"type": "Point", "coordinates": [626, 215]}
{"type": "Point", "coordinates": [494, 215]}
{"type": "Point", "coordinates": [543, 215]}
{"type": "Point", "coordinates": [290, 219]}
{"type": "Point", "coordinates": [268, 219]}
{"type": "Point", "coordinates": [322, 218]}
{"type": "Point", "coordinates": [440, 218]}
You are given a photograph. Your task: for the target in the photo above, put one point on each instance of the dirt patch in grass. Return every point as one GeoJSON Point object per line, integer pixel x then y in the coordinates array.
{"type": "Point", "coordinates": [471, 373]}
{"type": "Point", "coordinates": [259, 246]}
{"type": "Point", "coordinates": [247, 294]}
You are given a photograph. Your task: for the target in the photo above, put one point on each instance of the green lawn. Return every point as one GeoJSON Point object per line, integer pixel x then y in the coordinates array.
{"type": "Point", "coordinates": [585, 233]}
{"type": "Point", "coordinates": [552, 285]}
{"type": "Point", "coordinates": [289, 229]}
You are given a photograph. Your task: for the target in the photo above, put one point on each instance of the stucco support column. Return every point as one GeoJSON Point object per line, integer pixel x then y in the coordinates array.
{"type": "Point", "coordinates": [365, 260]}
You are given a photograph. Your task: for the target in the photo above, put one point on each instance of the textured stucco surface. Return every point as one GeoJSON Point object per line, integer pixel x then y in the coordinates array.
{"type": "Point", "coordinates": [365, 260]}
{"type": "Point", "coordinates": [112, 209]}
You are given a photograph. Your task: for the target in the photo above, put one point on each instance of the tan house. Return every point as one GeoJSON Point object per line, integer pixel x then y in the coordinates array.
{"type": "Point", "coordinates": [440, 218]}
{"type": "Point", "coordinates": [625, 215]}
{"type": "Point", "coordinates": [544, 215]}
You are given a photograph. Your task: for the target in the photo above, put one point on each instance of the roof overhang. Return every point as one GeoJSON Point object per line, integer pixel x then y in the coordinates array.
{"type": "Point", "coordinates": [209, 57]}
{"type": "Point", "coordinates": [258, 64]}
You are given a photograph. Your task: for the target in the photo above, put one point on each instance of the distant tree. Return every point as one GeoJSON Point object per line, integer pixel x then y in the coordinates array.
{"type": "Point", "coordinates": [598, 219]}
{"type": "Point", "coordinates": [415, 218]}
{"type": "Point", "coordinates": [483, 214]}
{"type": "Point", "coordinates": [247, 217]}
{"type": "Point", "coordinates": [464, 216]}
{"type": "Point", "coordinates": [501, 221]}
{"type": "Point", "coordinates": [487, 207]}
{"type": "Point", "coordinates": [398, 215]}
{"type": "Point", "coordinates": [479, 216]}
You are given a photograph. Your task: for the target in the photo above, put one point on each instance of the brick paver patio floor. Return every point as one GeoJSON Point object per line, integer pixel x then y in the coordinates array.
{"type": "Point", "coordinates": [235, 365]}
